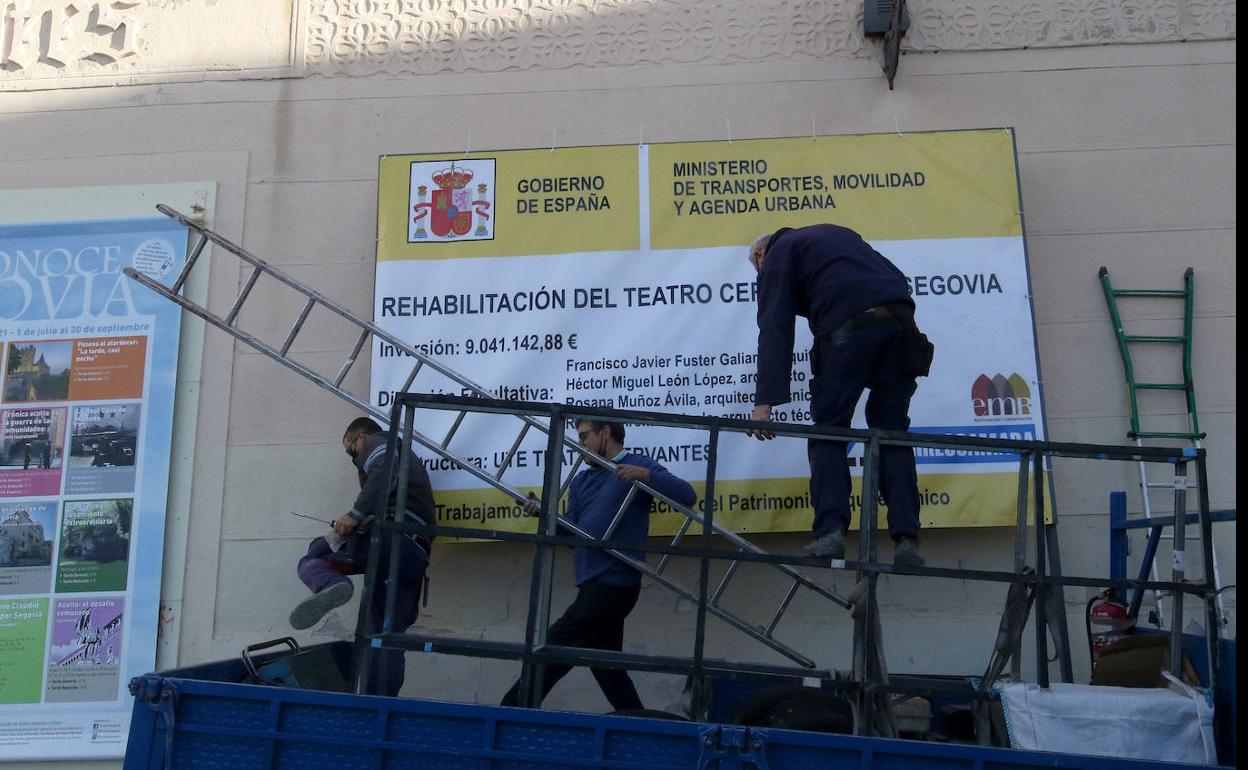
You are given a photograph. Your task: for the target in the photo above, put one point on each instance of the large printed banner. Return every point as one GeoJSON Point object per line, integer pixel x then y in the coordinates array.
{"type": "Point", "coordinates": [86, 408]}
{"type": "Point", "coordinates": [617, 277]}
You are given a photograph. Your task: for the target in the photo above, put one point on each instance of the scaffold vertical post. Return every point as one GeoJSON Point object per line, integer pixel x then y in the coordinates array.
{"type": "Point", "coordinates": [532, 673]}
{"type": "Point", "coordinates": [704, 568]}
{"type": "Point", "coordinates": [1042, 592]}
{"type": "Point", "coordinates": [1178, 568]}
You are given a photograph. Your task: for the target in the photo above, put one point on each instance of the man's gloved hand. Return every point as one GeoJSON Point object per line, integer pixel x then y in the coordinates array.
{"type": "Point", "coordinates": [532, 506]}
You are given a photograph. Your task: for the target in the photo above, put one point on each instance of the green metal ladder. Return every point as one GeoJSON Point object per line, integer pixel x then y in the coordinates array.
{"type": "Point", "coordinates": [1193, 434]}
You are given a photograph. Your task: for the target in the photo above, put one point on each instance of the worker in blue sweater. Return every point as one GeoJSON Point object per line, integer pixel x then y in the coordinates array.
{"type": "Point", "coordinates": [607, 587]}
{"type": "Point", "coordinates": [859, 308]}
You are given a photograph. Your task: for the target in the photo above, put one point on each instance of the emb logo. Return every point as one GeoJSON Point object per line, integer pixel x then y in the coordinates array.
{"type": "Point", "coordinates": [451, 201]}
{"type": "Point", "coordinates": [1000, 396]}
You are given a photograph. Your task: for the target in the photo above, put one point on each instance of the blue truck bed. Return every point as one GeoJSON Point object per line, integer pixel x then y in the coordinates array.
{"type": "Point", "coordinates": [205, 718]}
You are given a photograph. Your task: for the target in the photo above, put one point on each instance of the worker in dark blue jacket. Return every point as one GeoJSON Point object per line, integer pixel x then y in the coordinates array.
{"type": "Point", "coordinates": [859, 308]}
{"type": "Point", "coordinates": [607, 587]}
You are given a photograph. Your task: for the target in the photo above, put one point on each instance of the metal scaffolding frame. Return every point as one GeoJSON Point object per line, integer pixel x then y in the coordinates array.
{"type": "Point", "coordinates": [868, 683]}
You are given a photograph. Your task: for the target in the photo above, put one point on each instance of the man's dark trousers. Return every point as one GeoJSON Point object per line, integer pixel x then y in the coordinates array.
{"type": "Point", "coordinates": [319, 569]}
{"type": "Point", "coordinates": [864, 353]}
{"type": "Point", "coordinates": [595, 620]}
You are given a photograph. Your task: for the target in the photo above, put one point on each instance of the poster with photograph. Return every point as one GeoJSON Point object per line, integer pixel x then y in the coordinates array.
{"type": "Point", "coordinates": [103, 440]}
{"type": "Point", "coordinates": [31, 450]}
{"type": "Point", "coordinates": [27, 529]}
{"type": "Point", "coordinates": [86, 414]}
{"type": "Point", "coordinates": [94, 545]}
{"type": "Point", "coordinates": [84, 659]}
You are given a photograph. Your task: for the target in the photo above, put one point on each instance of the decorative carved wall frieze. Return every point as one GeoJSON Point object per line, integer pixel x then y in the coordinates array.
{"type": "Point", "coordinates": [361, 37]}
{"type": "Point", "coordinates": [65, 39]}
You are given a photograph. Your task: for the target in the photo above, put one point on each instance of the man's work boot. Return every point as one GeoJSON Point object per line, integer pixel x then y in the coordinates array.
{"type": "Point", "coordinates": [312, 609]}
{"type": "Point", "coordinates": [906, 554]}
{"type": "Point", "coordinates": [830, 545]}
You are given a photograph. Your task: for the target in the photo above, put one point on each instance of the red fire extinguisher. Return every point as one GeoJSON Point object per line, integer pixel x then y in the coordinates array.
{"type": "Point", "coordinates": [1109, 616]}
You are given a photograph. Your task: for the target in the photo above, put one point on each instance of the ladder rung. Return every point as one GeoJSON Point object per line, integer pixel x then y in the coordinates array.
{"type": "Point", "coordinates": [355, 353]}
{"type": "Point", "coordinates": [242, 297]}
{"type": "Point", "coordinates": [294, 330]}
{"type": "Point", "coordinates": [784, 605]}
{"type": "Point", "coordinates": [515, 445]}
{"type": "Point", "coordinates": [723, 584]}
{"type": "Point", "coordinates": [675, 541]}
{"type": "Point", "coordinates": [1152, 338]}
{"type": "Point", "coordinates": [1176, 293]}
{"type": "Point", "coordinates": [619, 514]}
{"type": "Point", "coordinates": [1167, 485]}
{"type": "Point", "coordinates": [411, 377]}
{"type": "Point", "coordinates": [1160, 386]}
{"type": "Point", "coordinates": [454, 427]}
{"type": "Point", "coordinates": [190, 262]}
{"type": "Point", "coordinates": [1161, 434]}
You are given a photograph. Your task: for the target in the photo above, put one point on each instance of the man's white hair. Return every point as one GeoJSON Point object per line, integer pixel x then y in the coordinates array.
{"type": "Point", "coordinates": [759, 246]}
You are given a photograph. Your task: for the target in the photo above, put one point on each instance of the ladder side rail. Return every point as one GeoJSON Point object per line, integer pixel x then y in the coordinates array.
{"type": "Point", "coordinates": [1128, 370]}
{"type": "Point", "coordinates": [1189, 381]}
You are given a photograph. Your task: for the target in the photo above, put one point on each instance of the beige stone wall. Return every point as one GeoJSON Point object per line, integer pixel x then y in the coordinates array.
{"type": "Point", "coordinates": [1125, 118]}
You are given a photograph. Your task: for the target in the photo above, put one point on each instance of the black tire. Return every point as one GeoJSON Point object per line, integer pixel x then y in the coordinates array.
{"type": "Point", "coordinates": [794, 707]}
{"type": "Point", "coordinates": [649, 714]}
{"type": "Point", "coordinates": [814, 711]}
{"type": "Point", "coordinates": [755, 709]}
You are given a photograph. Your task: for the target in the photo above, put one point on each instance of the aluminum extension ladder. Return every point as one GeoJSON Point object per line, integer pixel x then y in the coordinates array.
{"type": "Point", "coordinates": [1192, 435]}
{"type": "Point", "coordinates": [441, 447]}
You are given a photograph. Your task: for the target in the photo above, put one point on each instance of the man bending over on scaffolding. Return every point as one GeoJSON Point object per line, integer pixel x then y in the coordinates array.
{"type": "Point", "coordinates": [607, 587]}
{"type": "Point", "coordinates": [344, 551]}
{"type": "Point", "coordinates": [859, 308]}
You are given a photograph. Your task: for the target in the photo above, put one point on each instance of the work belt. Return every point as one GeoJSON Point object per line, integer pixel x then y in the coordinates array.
{"type": "Point", "coordinates": [423, 542]}
{"type": "Point", "coordinates": [901, 312]}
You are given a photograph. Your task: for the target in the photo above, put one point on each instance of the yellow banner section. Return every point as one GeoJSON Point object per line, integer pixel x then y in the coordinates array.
{"type": "Point", "coordinates": [955, 184]}
{"type": "Point", "coordinates": [514, 203]}
{"type": "Point", "coordinates": [774, 505]}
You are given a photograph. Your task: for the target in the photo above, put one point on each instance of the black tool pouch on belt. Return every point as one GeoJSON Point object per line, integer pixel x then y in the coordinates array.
{"type": "Point", "coordinates": [916, 351]}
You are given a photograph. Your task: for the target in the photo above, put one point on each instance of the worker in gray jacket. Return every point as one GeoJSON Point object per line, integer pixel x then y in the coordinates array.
{"type": "Point", "coordinates": [345, 550]}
